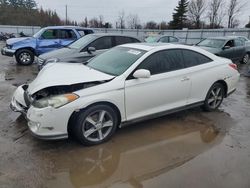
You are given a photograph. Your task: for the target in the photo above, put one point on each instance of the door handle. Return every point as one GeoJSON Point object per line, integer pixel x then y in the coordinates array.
{"type": "Point", "coordinates": [185, 79]}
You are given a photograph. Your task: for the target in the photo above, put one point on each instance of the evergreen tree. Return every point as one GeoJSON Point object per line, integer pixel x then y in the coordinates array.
{"type": "Point", "coordinates": [179, 16]}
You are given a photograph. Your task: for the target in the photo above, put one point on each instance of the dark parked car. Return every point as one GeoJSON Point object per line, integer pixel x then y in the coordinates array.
{"type": "Point", "coordinates": [232, 48]}
{"type": "Point", "coordinates": [162, 38]}
{"type": "Point", "coordinates": [47, 39]}
{"type": "Point", "coordinates": [85, 48]}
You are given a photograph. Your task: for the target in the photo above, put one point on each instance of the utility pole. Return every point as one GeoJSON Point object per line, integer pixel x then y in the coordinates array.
{"type": "Point", "coordinates": [66, 21]}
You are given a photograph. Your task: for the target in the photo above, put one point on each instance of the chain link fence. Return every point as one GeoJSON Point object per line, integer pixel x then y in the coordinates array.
{"type": "Point", "coordinates": [186, 36]}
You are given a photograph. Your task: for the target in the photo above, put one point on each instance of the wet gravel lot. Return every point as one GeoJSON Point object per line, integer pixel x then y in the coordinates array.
{"type": "Point", "coordinates": [186, 149]}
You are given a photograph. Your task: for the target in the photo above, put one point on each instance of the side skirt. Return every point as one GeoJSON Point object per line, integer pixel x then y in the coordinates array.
{"type": "Point", "coordinates": [160, 114]}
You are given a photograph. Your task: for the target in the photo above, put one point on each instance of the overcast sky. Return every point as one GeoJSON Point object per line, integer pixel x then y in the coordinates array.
{"type": "Point", "coordinates": [157, 10]}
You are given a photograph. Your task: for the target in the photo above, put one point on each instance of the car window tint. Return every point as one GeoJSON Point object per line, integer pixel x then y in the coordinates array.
{"type": "Point", "coordinates": [173, 39]}
{"type": "Point", "coordinates": [230, 43]}
{"type": "Point", "coordinates": [102, 43]}
{"type": "Point", "coordinates": [163, 61]}
{"type": "Point", "coordinates": [67, 34]}
{"type": "Point", "coordinates": [164, 39]}
{"type": "Point", "coordinates": [192, 58]}
{"type": "Point", "coordinates": [124, 40]}
{"type": "Point", "coordinates": [238, 42]}
{"type": "Point", "coordinates": [50, 34]}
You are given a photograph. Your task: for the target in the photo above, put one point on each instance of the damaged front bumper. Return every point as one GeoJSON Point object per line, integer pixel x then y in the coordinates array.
{"type": "Point", "coordinates": [41, 122]}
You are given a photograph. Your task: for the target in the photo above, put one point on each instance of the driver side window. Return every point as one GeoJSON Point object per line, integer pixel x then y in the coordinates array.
{"type": "Point", "coordinates": [102, 43]}
{"type": "Point", "coordinates": [50, 34]}
{"type": "Point", "coordinates": [163, 61]}
{"type": "Point", "coordinates": [230, 43]}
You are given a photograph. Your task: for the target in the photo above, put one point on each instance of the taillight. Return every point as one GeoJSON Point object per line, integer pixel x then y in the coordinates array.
{"type": "Point", "coordinates": [234, 66]}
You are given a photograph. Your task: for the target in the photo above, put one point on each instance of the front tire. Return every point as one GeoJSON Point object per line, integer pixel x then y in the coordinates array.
{"type": "Point", "coordinates": [214, 97]}
{"type": "Point", "coordinates": [25, 57]}
{"type": "Point", "coordinates": [95, 125]}
{"type": "Point", "coordinates": [245, 59]}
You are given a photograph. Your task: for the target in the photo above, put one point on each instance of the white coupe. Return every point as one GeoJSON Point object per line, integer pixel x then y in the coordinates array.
{"type": "Point", "coordinates": [128, 83]}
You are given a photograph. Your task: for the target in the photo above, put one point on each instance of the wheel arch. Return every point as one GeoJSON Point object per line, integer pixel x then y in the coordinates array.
{"type": "Point", "coordinates": [26, 48]}
{"type": "Point", "coordinates": [74, 114]}
{"type": "Point", "coordinates": [223, 82]}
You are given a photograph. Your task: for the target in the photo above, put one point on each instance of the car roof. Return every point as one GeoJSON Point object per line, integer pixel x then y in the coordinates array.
{"type": "Point", "coordinates": [153, 46]}
{"type": "Point", "coordinates": [67, 27]}
{"type": "Point", "coordinates": [112, 34]}
{"type": "Point", "coordinates": [224, 38]}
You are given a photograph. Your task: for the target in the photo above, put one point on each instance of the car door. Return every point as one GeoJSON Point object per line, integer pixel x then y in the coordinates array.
{"type": "Point", "coordinates": [48, 41]}
{"type": "Point", "coordinates": [240, 49]}
{"type": "Point", "coordinates": [166, 89]}
{"type": "Point", "coordinates": [228, 51]}
{"type": "Point", "coordinates": [200, 70]}
{"type": "Point", "coordinates": [66, 36]}
{"type": "Point", "coordinates": [101, 45]}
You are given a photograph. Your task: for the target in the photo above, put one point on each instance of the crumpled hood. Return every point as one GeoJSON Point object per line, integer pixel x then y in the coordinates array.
{"type": "Point", "coordinates": [57, 74]}
{"type": "Point", "coordinates": [15, 40]}
{"type": "Point", "coordinates": [211, 50]}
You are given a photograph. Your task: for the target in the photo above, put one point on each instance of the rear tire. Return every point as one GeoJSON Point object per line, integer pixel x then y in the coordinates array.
{"type": "Point", "coordinates": [95, 125]}
{"type": "Point", "coordinates": [214, 97]}
{"type": "Point", "coordinates": [25, 57]}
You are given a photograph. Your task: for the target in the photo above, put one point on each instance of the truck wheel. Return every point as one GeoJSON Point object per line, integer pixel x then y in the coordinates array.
{"type": "Point", "coordinates": [25, 57]}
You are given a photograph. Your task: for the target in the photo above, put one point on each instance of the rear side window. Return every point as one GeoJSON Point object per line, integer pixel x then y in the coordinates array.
{"type": "Point", "coordinates": [238, 42]}
{"type": "Point", "coordinates": [173, 39]}
{"type": "Point", "coordinates": [50, 34]}
{"type": "Point", "coordinates": [192, 58]}
{"type": "Point", "coordinates": [163, 61]}
{"type": "Point", "coordinates": [164, 40]}
{"type": "Point", "coordinates": [119, 40]}
{"type": "Point", "coordinates": [102, 43]}
{"type": "Point", "coordinates": [67, 34]}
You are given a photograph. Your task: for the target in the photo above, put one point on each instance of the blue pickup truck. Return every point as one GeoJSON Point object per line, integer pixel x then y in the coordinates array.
{"type": "Point", "coordinates": [47, 39]}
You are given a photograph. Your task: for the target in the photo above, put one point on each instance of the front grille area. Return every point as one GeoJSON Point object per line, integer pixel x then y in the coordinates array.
{"type": "Point", "coordinates": [27, 99]}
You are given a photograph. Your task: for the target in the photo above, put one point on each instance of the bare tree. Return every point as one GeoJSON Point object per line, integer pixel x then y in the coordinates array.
{"type": "Point", "coordinates": [215, 13]}
{"type": "Point", "coordinates": [121, 20]}
{"type": "Point", "coordinates": [94, 23]}
{"type": "Point", "coordinates": [196, 9]}
{"type": "Point", "coordinates": [101, 21]}
{"type": "Point", "coordinates": [233, 10]}
{"type": "Point", "coordinates": [133, 21]}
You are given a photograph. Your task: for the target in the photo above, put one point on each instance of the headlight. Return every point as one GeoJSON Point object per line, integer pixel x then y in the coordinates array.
{"type": "Point", "coordinates": [52, 60]}
{"type": "Point", "coordinates": [55, 101]}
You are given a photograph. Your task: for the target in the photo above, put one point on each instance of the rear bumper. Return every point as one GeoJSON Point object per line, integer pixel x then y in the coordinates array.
{"type": "Point", "coordinates": [8, 52]}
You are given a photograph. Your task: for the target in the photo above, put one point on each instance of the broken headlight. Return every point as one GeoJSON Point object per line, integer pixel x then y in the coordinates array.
{"type": "Point", "coordinates": [55, 101]}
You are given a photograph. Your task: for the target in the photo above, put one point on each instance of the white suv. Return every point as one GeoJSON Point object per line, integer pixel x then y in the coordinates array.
{"type": "Point", "coordinates": [128, 83]}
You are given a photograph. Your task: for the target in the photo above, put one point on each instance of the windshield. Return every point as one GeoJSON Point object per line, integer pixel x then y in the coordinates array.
{"type": "Point", "coordinates": [212, 43]}
{"type": "Point", "coordinates": [151, 39]}
{"type": "Point", "coordinates": [39, 33]}
{"type": "Point", "coordinates": [116, 61]}
{"type": "Point", "coordinates": [82, 42]}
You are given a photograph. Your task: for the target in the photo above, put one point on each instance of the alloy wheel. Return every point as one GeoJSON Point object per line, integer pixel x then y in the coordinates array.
{"type": "Point", "coordinates": [97, 126]}
{"type": "Point", "coordinates": [246, 59]}
{"type": "Point", "coordinates": [25, 57]}
{"type": "Point", "coordinates": [215, 97]}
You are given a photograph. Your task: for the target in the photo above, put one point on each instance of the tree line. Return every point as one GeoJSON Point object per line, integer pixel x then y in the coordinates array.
{"type": "Point", "coordinates": [193, 14]}
{"type": "Point", "coordinates": [25, 12]}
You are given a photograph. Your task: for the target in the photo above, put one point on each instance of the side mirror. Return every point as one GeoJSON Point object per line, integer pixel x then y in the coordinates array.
{"type": "Point", "coordinates": [142, 73]}
{"type": "Point", "coordinates": [91, 49]}
{"type": "Point", "coordinates": [226, 47]}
